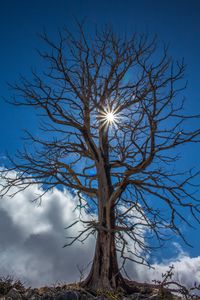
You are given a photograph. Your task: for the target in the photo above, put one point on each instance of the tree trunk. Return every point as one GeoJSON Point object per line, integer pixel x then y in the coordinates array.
{"type": "Point", "coordinates": [105, 273]}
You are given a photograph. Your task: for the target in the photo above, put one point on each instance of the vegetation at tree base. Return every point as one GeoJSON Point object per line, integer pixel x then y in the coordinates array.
{"type": "Point", "coordinates": [167, 289]}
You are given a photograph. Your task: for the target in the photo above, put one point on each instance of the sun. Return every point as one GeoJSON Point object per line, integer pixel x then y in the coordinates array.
{"type": "Point", "coordinates": [110, 117]}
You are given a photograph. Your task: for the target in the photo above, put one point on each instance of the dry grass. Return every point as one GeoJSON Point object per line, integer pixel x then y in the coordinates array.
{"type": "Point", "coordinates": [7, 283]}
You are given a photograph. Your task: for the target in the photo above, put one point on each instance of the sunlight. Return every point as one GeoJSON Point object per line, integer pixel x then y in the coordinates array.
{"type": "Point", "coordinates": [110, 117]}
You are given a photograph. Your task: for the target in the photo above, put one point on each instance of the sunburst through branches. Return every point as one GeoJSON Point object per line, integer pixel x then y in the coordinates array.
{"type": "Point", "coordinates": [109, 117]}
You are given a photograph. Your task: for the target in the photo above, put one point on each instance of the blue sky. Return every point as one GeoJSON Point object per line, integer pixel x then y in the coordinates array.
{"type": "Point", "coordinates": [176, 22]}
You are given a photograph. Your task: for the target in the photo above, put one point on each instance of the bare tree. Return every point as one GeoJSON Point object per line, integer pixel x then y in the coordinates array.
{"type": "Point", "coordinates": [112, 114]}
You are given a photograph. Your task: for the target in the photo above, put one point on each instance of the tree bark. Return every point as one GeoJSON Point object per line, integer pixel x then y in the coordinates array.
{"type": "Point", "coordinates": [105, 270]}
{"type": "Point", "coordinates": [104, 273]}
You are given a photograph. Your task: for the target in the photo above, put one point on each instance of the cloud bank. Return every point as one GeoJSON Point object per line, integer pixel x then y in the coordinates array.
{"type": "Point", "coordinates": [32, 239]}
{"type": "Point", "coordinates": [33, 236]}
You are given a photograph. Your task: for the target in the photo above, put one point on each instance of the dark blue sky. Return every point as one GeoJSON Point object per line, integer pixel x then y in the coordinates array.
{"type": "Point", "coordinates": [176, 22]}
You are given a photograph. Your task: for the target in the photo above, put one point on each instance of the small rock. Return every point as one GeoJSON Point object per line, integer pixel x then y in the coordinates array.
{"type": "Point", "coordinates": [14, 294]}
{"type": "Point", "coordinates": [34, 297]}
{"type": "Point", "coordinates": [31, 294]}
{"type": "Point", "coordinates": [154, 297]}
{"type": "Point", "coordinates": [67, 295]}
{"type": "Point", "coordinates": [47, 296]}
{"type": "Point", "coordinates": [100, 298]}
{"type": "Point", "coordinates": [135, 296]}
{"type": "Point", "coordinates": [85, 297]}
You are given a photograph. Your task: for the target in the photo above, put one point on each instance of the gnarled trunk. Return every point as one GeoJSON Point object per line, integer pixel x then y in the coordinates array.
{"type": "Point", "coordinates": [105, 271]}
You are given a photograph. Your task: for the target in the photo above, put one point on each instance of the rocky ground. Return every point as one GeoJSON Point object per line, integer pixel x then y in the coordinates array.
{"type": "Point", "coordinates": [15, 290]}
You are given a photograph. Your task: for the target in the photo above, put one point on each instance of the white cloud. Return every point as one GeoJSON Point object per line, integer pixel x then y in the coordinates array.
{"type": "Point", "coordinates": [186, 269]}
{"type": "Point", "coordinates": [32, 239]}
